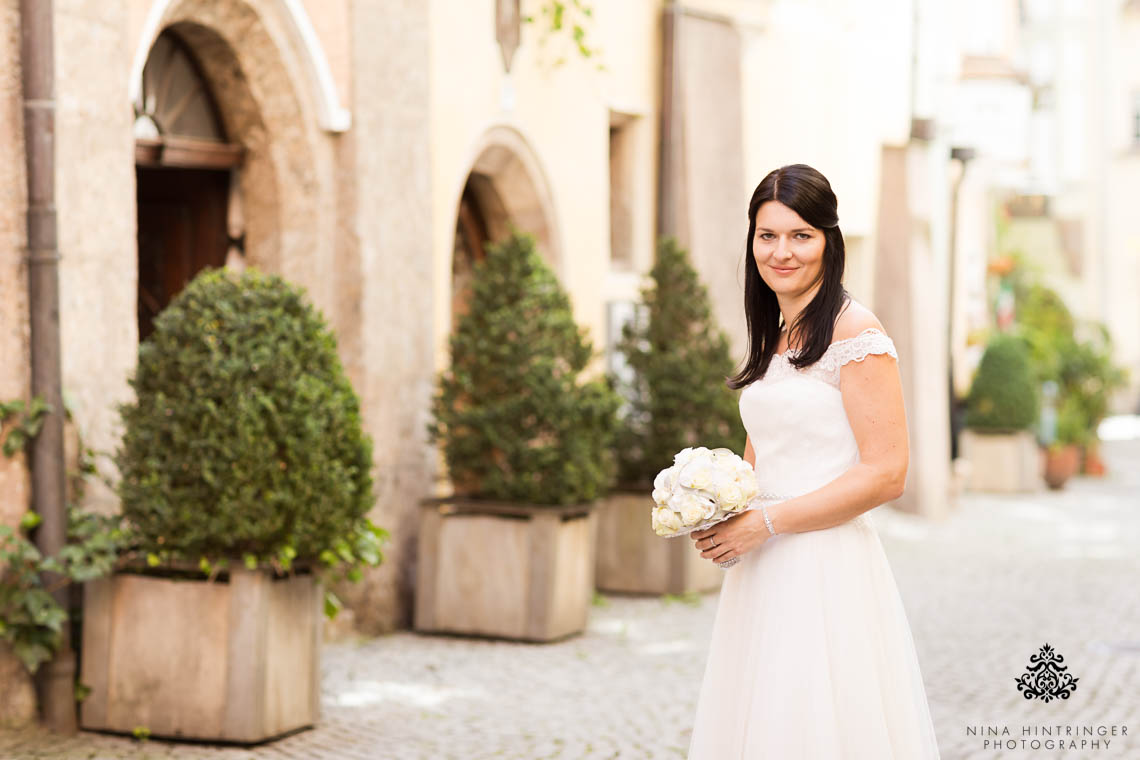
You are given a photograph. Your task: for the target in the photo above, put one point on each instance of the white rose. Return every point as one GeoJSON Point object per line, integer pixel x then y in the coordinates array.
{"type": "Point", "coordinates": [723, 455]}
{"type": "Point", "coordinates": [665, 479]}
{"type": "Point", "coordinates": [730, 496]}
{"type": "Point", "coordinates": [692, 514]}
{"type": "Point", "coordinates": [661, 496]}
{"type": "Point", "coordinates": [665, 521]}
{"type": "Point", "coordinates": [697, 475]}
{"type": "Point", "coordinates": [694, 508]}
{"type": "Point", "coordinates": [682, 457]}
{"type": "Point", "coordinates": [749, 486]}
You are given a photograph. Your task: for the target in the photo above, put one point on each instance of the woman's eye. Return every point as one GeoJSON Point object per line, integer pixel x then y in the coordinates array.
{"type": "Point", "coordinates": [803, 235]}
{"type": "Point", "coordinates": [766, 235]}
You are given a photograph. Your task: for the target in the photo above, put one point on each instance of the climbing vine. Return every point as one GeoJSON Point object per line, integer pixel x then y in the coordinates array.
{"type": "Point", "coordinates": [31, 618]}
{"type": "Point", "coordinates": [26, 421]}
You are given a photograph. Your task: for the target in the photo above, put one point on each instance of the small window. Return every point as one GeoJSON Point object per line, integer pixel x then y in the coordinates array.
{"type": "Point", "coordinates": [174, 98]}
{"type": "Point", "coordinates": [621, 201]}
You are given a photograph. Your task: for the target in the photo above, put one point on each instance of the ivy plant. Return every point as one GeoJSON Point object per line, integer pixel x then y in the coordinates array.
{"type": "Point", "coordinates": [26, 420]}
{"type": "Point", "coordinates": [31, 619]}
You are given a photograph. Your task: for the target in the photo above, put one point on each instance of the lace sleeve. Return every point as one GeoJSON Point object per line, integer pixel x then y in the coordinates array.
{"type": "Point", "coordinates": [870, 341]}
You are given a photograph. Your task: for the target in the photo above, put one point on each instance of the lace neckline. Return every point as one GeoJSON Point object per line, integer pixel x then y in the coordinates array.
{"type": "Point", "coordinates": [783, 354]}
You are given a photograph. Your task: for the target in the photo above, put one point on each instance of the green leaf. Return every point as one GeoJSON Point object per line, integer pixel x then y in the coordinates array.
{"type": "Point", "coordinates": [82, 691]}
{"type": "Point", "coordinates": [30, 520]}
{"type": "Point", "coordinates": [250, 561]}
{"type": "Point", "coordinates": [332, 604]}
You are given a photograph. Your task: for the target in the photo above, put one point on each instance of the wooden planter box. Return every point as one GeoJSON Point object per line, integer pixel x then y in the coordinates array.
{"type": "Point", "coordinates": [234, 660]}
{"type": "Point", "coordinates": [634, 559]}
{"type": "Point", "coordinates": [515, 571]}
{"type": "Point", "coordinates": [1003, 462]}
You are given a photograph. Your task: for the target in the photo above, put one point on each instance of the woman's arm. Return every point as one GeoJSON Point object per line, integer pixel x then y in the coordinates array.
{"type": "Point", "coordinates": [873, 399]}
{"type": "Point", "coordinates": [749, 453]}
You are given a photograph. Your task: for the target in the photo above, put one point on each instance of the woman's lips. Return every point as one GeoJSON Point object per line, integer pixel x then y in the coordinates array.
{"type": "Point", "coordinates": [779, 270]}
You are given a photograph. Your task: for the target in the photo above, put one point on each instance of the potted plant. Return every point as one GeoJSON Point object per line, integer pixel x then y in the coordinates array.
{"type": "Point", "coordinates": [1063, 454]}
{"type": "Point", "coordinates": [1001, 407]}
{"type": "Point", "coordinates": [1088, 377]}
{"type": "Point", "coordinates": [245, 477]}
{"type": "Point", "coordinates": [677, 361]}
{"type": "Point", "coordinates": [527, 445]}
{"type": "Point", "coordinates": [1077, 358]}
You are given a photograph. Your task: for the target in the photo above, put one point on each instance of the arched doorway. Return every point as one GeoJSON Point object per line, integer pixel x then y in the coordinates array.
{"type": "Point", "coordinates": [479, 208]}
{"type": "Point", "coordinates": [184, 168]}
{"type": "Point", "coordinates": [505, 188]}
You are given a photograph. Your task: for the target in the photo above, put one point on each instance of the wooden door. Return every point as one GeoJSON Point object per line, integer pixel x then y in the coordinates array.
{"type": "Point", "coordinates": [181, 231]}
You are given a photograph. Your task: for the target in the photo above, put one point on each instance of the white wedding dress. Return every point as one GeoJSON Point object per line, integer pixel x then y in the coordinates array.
{"type": "Point", "coordinates": [811, 656]}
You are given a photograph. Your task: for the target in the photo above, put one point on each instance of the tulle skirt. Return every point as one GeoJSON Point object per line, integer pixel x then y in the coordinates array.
{"type": "Point", "coordinates": [812, 656]}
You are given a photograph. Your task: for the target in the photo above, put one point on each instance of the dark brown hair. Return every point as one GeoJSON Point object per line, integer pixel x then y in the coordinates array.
{"type": "Point", "coordinates": [808, 193]}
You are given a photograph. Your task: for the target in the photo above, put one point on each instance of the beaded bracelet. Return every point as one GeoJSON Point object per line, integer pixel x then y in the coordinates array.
{"type": "Point", "coordinates": [767, 520]}
{"type": "Point", "coordinates": [769, 496]}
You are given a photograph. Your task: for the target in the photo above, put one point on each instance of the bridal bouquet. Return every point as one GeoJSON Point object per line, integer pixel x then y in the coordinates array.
{"type": "Point", "coordinates": [702, 488]}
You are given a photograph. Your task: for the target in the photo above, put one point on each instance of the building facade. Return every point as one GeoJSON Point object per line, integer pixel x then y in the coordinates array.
{"type": "Point", "coordinates": [368, 151]}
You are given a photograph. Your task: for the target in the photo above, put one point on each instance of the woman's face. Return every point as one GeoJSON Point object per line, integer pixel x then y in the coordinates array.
{"type": "Point", "coordinates": [788, 250]}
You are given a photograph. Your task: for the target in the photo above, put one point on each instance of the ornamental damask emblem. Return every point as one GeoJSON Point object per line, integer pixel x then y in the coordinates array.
{"type": "Point", "coordinates": [1045, 678]}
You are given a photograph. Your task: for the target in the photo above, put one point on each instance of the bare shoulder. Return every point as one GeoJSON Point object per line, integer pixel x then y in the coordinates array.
{"type": "Point", "coordinates": [854, 319]}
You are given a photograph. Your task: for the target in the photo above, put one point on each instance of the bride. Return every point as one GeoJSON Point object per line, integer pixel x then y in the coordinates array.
{"type": "Point", "coordinates": [812, 655]}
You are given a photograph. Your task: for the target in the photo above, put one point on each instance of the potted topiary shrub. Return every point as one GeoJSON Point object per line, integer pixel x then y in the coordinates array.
{"type": "Point", "coordinates": [1001, 408]}
{"type": "Point", "coordinates": [676, 396]}
{"type": "Point", "coordinates": [527, 445]}
{"type": "Point", "coordinates": [245, 477]}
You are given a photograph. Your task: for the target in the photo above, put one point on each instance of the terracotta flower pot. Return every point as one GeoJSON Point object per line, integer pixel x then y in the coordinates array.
{"type": "Point", "coordinates": [1092, 463]}
{"type": "Point", "coordinates": [1061, 463]}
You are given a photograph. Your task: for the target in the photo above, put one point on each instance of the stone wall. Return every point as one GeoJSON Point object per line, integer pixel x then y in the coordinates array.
{"type": "Point", "coordinates": [95, 197]}
{"type": "Point", "coordinates": [14, 357]}
{"type": "Point", "coordinates": [17, 698]}
{"type": "Point", "coordinates": [387, 186]}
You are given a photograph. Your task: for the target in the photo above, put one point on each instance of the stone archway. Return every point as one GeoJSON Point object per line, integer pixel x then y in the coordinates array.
{"type": "Point", "coordinates": [505, 186]}
{"type": "Point", "coordinates": [259, 82]}
{"type": "Point", "coordinates": [332, 114]}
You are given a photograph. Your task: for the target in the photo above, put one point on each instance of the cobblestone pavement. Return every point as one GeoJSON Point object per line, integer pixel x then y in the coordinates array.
{"type": "Point", "coordinates": [984, 591]}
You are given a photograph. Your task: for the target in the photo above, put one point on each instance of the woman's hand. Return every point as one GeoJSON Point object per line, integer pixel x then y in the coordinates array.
{"type": "Point", "coordinates": [732, 537]}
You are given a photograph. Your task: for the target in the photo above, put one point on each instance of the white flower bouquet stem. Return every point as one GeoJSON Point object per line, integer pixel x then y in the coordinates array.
{"type": "Point", "coordinates": [702, 488]}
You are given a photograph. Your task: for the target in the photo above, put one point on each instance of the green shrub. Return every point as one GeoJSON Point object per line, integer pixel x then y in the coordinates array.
{"type": "Point", "coordinates": [1075, 356]}
{"type": "Point", "coordinates": [1087, 378]}
{"type": "Point", "coordinates": [514, 420]}
{"type": "Point", "coordinates": [245, 437]}
{"type": "Point", "coordinates": [1047, 326]}
{"type": "Point", "coordinates": [679, 360]}
{"type": "Point", "coordinates": [1003, 396]}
